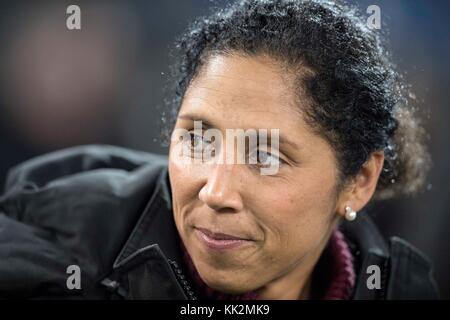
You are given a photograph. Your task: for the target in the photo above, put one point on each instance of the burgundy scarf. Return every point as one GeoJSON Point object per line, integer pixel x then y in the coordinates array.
{"type": "Point", "coordinates": [339, 268]}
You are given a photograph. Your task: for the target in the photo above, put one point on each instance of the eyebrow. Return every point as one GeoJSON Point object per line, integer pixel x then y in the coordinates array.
{"type": "Point", "coordinates": [205, 123]}
{"type": "Point", "coordinates": [285, 141]}
{"type": "Point", "coordinates": [209, 124]}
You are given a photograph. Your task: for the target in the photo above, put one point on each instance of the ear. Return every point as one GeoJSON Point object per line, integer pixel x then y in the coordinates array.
{"type": "Point", "coordinates": [361, 189]}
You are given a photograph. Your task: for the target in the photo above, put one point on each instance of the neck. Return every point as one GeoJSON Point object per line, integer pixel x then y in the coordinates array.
{"type": "Point", "coordinates": [282, 289]}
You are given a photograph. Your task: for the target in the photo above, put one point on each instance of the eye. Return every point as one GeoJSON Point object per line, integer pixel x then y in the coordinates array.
{"type": "Point", "coordinates": [198, 144]}
{"type": "Point", "coordinates": [262, 158]}
{"type": "Point", "coordinates": [196, 141]}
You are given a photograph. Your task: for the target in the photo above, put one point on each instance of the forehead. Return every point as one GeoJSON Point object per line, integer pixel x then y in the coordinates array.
{"type": "Point", "coordinates": [244, 92]}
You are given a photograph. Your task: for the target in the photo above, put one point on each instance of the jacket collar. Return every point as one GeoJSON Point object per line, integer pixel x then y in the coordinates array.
{"type": "Point", "coordinates": [149, 264]}
{"type": "Point", "coordinates": [156, 224]}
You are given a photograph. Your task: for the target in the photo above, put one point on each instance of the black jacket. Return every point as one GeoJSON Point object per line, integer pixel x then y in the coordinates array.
{"type": "Point", "coordinates": [108, 211]}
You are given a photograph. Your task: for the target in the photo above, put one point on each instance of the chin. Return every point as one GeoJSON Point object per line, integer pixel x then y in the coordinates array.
{"type": "Point", "coordinates": [226, 283]}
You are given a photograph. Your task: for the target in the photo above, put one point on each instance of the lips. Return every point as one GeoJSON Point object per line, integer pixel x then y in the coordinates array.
{"type": "Point", "coordinates": [219, 241]}
{"type": "Point", "coordinates": [219, 236]}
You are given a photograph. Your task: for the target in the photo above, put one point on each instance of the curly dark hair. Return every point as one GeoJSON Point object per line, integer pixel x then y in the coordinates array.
{"type": "Point", "coordinates": [359, 102]}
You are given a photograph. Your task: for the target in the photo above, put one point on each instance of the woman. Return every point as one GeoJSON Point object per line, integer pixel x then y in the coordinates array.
{"type": "Point", "coordinates": [204, 225]}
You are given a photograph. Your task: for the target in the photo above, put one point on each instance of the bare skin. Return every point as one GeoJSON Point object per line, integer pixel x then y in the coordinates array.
{"type": "Point", "coordinates": [284, 220]}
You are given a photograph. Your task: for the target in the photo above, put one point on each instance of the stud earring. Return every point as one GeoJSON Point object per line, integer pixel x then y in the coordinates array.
{"type": "Point", "coordinates": [350, 215]}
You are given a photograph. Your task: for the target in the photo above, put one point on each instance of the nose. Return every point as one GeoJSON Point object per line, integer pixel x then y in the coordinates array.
{"type": "Point", "coordinates": [220, 192]}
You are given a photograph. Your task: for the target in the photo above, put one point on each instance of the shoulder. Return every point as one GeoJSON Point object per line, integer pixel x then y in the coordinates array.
{"type": "Point", "coordinates": [62, 163]}
{"type": "Point", "coordinates": [78, 180]}
{"type": "Point", "coordinates": [411, 272]}
{"type": "Point", "coordinates": [77, 205]}
{"type": "Point", "coordinates": [406, 273]}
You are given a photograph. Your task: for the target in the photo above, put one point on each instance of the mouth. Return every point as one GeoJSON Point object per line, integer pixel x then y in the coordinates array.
{"type": "Point", "coordinates": [219, 241]}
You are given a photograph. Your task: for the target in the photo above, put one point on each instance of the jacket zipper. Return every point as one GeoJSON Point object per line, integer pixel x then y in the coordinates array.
{"type": "Point", "coordinates": [182, 280]}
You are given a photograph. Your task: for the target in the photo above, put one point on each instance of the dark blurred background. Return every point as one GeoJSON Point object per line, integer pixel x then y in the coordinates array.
{"type": "Point", "coordinates": [104, 84]}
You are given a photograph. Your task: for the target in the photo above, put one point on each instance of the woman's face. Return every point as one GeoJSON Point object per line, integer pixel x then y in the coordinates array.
{"type": "Point", "coordinates": [244, 230]}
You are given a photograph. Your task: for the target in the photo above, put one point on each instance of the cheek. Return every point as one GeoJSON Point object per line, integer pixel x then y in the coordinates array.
{"type": "Point", "coordinates": [297, 215]}
{"type": "Point", "coordinates": [183, 183]}
{"type": "Point", "coordinates": [185, 178]}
